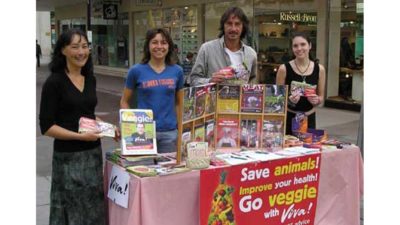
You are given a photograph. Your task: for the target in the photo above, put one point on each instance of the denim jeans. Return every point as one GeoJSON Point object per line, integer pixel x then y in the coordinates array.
{"type": "Point", "coordinates": [166, 141]}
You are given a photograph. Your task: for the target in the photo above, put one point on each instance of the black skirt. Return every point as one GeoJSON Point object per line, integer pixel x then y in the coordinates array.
{"type": "Point", "coordinates": [77, 195]}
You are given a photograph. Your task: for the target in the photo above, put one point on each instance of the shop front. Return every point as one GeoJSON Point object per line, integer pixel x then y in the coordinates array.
{"type": "Point", "coordinates": [335, 29]}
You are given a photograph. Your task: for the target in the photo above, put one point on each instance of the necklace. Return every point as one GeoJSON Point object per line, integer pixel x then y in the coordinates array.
{"type": "Point", "coordinates": [302, 72]}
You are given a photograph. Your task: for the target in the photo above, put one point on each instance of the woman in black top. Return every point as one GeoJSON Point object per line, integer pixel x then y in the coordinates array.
{"type": "Point", "coordinates": [302, 69]}
{"type": "Point", "coordinates": [77, 195]}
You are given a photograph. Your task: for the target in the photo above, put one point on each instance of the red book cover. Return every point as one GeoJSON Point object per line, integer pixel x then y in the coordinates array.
{"type": "Point", "coordinates": [227, 132]}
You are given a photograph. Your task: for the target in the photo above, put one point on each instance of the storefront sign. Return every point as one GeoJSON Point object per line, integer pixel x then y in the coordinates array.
{"type": "Point", "coordinates": [118, 187]}
{"type": "Point", "coordinates": [110, 11]}
{"type": "Point", "coordinates": [297, 17]}
{"type": "Point", "coordinates": [148, 2]}
{"type": "Point", "coordinates": [282, 191]}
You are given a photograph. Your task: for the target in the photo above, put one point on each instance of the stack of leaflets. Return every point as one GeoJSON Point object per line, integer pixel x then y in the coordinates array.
{"type": "Point", "coordinates": [126, 161]}
{"type": "Point", "coordinates": [138, 132]}
{"type": "Point", "coordinates": [236, 74]}
{"type": "Point", "coordinates": [261, 155]}
{"type": "Point", "coordinates": [302, 89]}
{"type": "Point", "coordinates": [91, 125]}
{"type": "Point", "coordinates": [197, 155]}
{"type": "Point", "coordinates": [169, 170]}
{"type": "Point", "coordinates": [235, 158]}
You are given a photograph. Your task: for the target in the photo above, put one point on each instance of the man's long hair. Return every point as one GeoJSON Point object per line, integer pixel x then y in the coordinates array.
{"type": "Point", "coordinates": [238, 12]}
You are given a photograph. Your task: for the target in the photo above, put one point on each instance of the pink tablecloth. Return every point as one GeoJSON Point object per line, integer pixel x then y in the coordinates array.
{"type": "Point", "coordinates": [174, 199]}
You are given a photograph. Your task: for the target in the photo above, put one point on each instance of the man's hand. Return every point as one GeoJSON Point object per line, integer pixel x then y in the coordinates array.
{"type": "Point", "coordinates": [217, 77]}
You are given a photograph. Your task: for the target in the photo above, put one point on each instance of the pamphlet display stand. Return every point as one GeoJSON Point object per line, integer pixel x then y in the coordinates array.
{"type": "Point", "coordinates": [232, 116]}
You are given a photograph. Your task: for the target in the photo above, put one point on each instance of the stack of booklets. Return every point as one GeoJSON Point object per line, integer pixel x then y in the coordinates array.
{"type": "Point", "coordinates": [143, 160]}
{"type": "Point", "coordinates": [138, 132]}
{"type": "Point", "coordinates": [142, 171]}
{"type": "Point", "coordinates": [156, 170]}
{"type": "Point", "coordinates": [91, 125]}
{"type": "Point", "coordinates": [197, 155]}
{"type": "Point", "coordinates": [126, 161]}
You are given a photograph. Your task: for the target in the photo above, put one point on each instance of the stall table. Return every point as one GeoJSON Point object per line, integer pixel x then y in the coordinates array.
{"type": "Point", "coordinates": [174, 199]}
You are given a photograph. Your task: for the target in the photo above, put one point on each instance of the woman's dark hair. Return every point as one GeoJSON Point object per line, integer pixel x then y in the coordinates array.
{"type": "Point", "coordinates": [307, 38]}
{"type": "Point", "coordinates": [146, 48]}
{"type": "Point", "coordinates": [58, 62]}
{"type": "Point", "coordinates": [238, 12]}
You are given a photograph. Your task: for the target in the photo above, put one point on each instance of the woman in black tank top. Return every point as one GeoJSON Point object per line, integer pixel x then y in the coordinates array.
{"type": "Point", "coordinates": [302, 69]}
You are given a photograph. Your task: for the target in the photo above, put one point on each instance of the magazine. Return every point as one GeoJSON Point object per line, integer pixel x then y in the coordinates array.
{"type": "Point", "coordinates": [211, 98]}
{"type": "Point", "coordinates": [188, 103]}
{"type": "Point", "coordinates": [275, 98]}
{"type": "Point", "coordinates": [227, 133]}
{"type": "Point", "coordinates": [273, 135]}
{"type": "Point", "coordinates": [199, 132]}
{"type": "Point", "coordinates": [200, 100]}
{"type": "Point", "coordinates": [186, 138]}
{"type": "Point", "coordinates": [228, 98]}
{"type": "Point", "coordinates": [250, 132]}
{"type": "Point", "coordinates": [252, 98]}
{"type": "Point", "coordinates": [209, 138]}
{"type": "Point", "coordinates": [138, 132]}
{"type": "Point", "coordinates": [91, 125]}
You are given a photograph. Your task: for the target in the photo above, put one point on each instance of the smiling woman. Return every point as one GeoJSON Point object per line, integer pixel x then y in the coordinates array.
{"type": "Point", "coordinates": [156, 81]}
{"type": "Point", "coordinates": [69, 93]}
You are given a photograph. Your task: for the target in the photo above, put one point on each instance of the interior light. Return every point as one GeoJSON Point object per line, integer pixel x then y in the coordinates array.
{"type": "Point", "coordinates": [347, 75]}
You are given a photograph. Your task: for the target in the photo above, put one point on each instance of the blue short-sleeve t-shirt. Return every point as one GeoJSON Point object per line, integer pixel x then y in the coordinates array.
{"type": "Point", "coordinates": [156, 91]}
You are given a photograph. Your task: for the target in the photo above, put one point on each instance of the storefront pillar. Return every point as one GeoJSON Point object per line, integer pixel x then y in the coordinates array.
{"type": "Point", "coordinates": [333, 48]}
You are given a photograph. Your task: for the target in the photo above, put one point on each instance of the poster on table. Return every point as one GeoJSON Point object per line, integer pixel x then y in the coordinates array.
{"type": "Point", "coordinates": [282, 191]}
{"type": "Point", "coordinates": [118, 186]}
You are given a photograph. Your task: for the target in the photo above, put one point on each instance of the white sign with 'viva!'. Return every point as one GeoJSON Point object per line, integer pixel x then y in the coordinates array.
{"type": "Point", "coordinates": [118, 186]}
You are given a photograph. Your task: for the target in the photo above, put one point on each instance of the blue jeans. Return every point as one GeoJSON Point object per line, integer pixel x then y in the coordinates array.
{"type": "Point", "coordinates": [166, 141]}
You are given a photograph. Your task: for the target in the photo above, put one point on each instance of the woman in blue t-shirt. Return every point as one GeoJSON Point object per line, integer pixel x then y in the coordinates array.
{"type": "Point", "coordinates": [156, 81]}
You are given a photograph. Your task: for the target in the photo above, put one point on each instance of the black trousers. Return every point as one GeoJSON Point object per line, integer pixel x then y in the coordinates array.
{"type": "Point", "coordinates": [38, 60]}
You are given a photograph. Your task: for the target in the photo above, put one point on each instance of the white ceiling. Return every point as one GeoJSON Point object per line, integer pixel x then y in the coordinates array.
{"type": "Point", "coordinates": [49, 5]}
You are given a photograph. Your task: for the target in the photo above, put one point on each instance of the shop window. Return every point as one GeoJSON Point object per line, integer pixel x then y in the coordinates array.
{"type": "Point", "coordinates": [351, 55]}
{"type": "Point", "coordinates": [110, 41]}
{"type": "Point", "coordinates": [180, 22]}
{"type": "Point", "coordinates": [273, 30]}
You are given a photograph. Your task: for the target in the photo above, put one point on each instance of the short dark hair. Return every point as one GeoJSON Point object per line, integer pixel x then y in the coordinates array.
{"type": "Point", "coordinates": [189, 55]}
{"type": "Point", "coordinates": [58, 62]}
{"type": "Point", "coordinates": [238, 12]}
{"type": "Point", "coordinates": [150, 35]}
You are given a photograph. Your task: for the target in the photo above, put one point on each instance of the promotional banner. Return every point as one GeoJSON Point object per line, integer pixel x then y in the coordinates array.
{"type": "Point", "coordinates": [118, 186]}
{"type": "Point", "coordinates": [282, 191]}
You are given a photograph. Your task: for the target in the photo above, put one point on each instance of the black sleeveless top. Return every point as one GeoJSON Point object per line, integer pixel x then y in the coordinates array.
{"type": "Point", "coordinates": [303, 104]}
